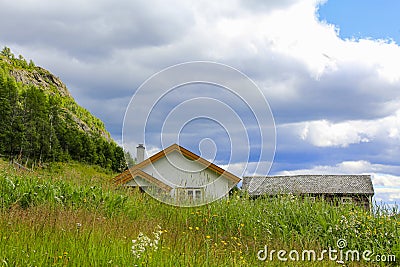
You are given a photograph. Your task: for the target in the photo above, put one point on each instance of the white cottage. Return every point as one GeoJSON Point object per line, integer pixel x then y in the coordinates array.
{"type": "Point", "coordinates": [179, 175]}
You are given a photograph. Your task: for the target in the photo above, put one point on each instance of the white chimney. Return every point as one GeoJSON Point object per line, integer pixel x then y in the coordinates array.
{"type": "Point", "coordinates": [140, 153]}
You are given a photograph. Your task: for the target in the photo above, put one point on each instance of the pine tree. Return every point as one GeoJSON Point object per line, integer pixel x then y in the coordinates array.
{"type": "Point", "coordinates": [10, 133]}
{"type": "Point", "coordinates": [36, 112]}
{"type": "Point", "coordinates": [7, 53]}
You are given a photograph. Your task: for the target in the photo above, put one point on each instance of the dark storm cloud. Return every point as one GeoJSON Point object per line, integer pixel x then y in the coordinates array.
{"type": "Point", "coordinates": [91, 29]}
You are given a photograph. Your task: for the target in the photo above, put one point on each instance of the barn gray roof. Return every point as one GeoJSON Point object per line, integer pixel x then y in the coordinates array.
{"type": "Point", "coordinates": [308, 184]}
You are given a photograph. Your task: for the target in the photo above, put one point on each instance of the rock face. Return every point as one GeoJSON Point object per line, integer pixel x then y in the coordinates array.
{"type": "Point", "coordinates": [84, 127]}
{"type": "Point", "coordinates": [41, 78]}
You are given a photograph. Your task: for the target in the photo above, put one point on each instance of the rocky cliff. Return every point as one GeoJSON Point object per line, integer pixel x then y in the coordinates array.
{"type": "Point", "coordinates": [29, 74]}
{"type": "Point", "coordinates": [42, 79]}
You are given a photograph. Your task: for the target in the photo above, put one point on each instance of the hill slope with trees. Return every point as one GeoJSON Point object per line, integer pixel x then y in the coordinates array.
{"type": "Point", "coordinates": [41, 122]}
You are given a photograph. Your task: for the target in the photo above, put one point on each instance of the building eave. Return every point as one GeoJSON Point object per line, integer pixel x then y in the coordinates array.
{"type": "Point", "coordinates": [127, 175]}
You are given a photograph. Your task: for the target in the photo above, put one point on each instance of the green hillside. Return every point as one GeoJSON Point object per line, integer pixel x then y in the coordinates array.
{"type": "Point", "coordinates": [42, 122]}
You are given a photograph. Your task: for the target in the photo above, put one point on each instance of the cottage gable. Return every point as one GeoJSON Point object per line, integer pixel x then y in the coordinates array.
{"type": "Point", "coordinates": [181, 174]}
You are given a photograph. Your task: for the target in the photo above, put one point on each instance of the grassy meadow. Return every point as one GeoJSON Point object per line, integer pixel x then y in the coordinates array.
{"type": "Point", "coordinates": [71, 215]}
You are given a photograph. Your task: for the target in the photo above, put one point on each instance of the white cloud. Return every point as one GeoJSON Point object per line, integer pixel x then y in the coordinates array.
{"type": "Point", "coordinates": [387, 195]}
{"type": "Point", "coordinates": [323, 133]}
{"type": "Point", "coordinates": [382, 179]}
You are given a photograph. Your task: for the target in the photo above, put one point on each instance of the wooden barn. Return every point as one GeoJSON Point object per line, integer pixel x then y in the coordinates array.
{"type": "Point", "coordinates": [340, 189]}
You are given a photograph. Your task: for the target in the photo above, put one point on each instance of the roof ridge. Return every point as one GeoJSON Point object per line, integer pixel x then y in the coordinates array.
{"type": "Point", "coordinates": [121, 178]}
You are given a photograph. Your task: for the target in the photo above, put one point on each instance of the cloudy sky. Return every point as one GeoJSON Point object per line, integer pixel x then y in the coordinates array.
{"type": "Point", "coordinates": [329, 70]}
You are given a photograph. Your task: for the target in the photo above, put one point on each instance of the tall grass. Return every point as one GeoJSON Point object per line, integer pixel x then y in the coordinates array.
{"type": "Point", "coordinates": [70, 215]}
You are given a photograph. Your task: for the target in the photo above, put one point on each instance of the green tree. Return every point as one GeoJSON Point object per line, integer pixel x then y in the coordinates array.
{"type": "Point", "coordinates": [11, 130]}
{"type": "Point", "coordinates": [31, 65]}
{"type": "Point", "coordinates": [119, 163]}
{"type": "Point", "coordinates": [54, 104]}
{"type": "Point", "coordinates": [7, 53]}
{"type": "Point", "coordinates": [36, 111]}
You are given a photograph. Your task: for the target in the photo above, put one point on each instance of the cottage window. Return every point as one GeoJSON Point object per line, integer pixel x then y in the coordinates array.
{"type": "Point", "coordinates": [190, 194]}
{"type": "Point", "coordinates": [198, 194]}
{"type": "Point", "coordinates": [194, 193]}
{"type": "Point", "coordinates": [347, 200]}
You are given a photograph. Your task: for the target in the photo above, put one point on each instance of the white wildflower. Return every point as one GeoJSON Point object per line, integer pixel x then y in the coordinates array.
{"type": "Point", "coordinates": [142, 242]}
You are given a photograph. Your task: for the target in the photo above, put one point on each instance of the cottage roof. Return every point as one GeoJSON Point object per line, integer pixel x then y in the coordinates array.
{"type": "Point", "coordinates": [308, 184]}
{"type": "Point", "coordinates": [126, 176]}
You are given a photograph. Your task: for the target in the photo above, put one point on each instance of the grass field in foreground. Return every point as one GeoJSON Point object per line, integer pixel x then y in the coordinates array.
{"type": "Point", "coordinates": [70, 215]}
